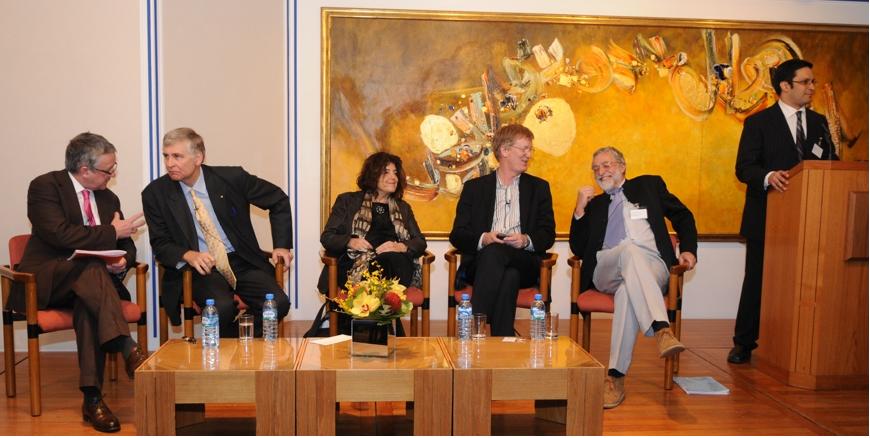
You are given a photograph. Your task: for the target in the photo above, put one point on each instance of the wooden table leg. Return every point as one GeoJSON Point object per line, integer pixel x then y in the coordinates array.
{"type": "Point", "coordinates": [472, 402]}
{"type": "Point", "coordinates": [432, 408]}
{"type": "Point", "coordinates": [275, 401]}
{"type": "Point", "coordinates": [315, 402]}
{"type": "Point", "coordinates": [155, 403]}
{"type": "Point", "coordinates": [585, 412]}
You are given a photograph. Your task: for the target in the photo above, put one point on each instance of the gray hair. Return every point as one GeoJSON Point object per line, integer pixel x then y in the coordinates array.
{"type": "Point", "coordinates": [613, 151]}
{"type": "Point", "coordinates": [196, 144]}
{"type": "Point", "coordinates": [85, 149]}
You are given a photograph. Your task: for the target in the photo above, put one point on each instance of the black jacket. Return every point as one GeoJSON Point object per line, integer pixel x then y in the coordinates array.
{"type": "Point", "coordinates": [650, 192]}
{"type": "Point", "coordinates": [476, 208]}
{"type": "Point", "coordinates": [232, 191]}
{"type": "Point", "coordinates": [766, 144]}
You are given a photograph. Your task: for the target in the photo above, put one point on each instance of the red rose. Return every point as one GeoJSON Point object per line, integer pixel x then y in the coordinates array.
{"type": "Point", "coordinates": [393, 300]}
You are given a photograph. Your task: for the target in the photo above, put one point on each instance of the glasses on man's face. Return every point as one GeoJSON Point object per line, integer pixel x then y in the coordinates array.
{"type": "Point", "coordinates": [524, 150]}
{"type": "Point", "coordinates": [109, 172]}
{"type": "Point", "coordinates": [605, 166]}
{"type": "Point", "coordinates": [805, 82]}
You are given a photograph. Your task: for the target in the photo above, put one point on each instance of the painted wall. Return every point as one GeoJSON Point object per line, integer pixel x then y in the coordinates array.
{"type": "Point", "coordinates": [231, 70]}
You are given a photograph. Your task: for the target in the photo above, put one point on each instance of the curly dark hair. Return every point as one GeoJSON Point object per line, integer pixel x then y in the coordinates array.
{"type": "Point", "coordinates": [372, 169]}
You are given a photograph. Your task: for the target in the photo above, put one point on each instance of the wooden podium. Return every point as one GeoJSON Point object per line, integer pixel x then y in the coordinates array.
{"type": "Point", "coordinates": [814, 328]}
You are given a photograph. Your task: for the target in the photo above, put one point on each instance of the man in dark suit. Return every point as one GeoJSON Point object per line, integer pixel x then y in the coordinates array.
{"type": "Point", "coordinates": [623, 241]}
{"type": "Point", "coordinates": [504, 224]}
{"type": "Point", "coordinates": [199, 217]}
{"type": "Point", "coordinates": [773, 141]}
{"type": "Point", "coordinates": [72, 209]}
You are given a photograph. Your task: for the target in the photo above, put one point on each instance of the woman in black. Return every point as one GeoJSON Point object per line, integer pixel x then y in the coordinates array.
{"type": "Point", "coordinates": [374, 225]}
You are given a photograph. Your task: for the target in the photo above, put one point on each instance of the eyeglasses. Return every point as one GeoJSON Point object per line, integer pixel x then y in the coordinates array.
{"type": "Point", "coordinates": [109, 172]}
{"type": "Point", "coordinates": [607, 165]}
{"type": "Point", "coordinates": [524, 150]}
{"type": "Point", "coordinates": [805, 82]}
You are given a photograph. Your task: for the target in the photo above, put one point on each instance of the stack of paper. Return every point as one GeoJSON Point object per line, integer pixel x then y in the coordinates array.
{"type": "Point", "coordinates": [701, 385]}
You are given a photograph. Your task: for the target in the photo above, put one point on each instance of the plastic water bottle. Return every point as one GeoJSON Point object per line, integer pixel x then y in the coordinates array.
{"type": "Point", "coordinates": [211, 337]}
{"type": "Point", "coordinates": [463, 318]}
{"type": "Point", "coordinates": [537, 313]}
{"type": "Point", "coordinates": [270, 319]}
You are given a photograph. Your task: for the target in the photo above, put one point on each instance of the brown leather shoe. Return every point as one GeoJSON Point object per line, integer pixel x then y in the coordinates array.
{"type": "Point", "coordinates": [668, 344]}
{"type": "Point", "coordinates": [614, 391]}
{"type": "Point", "coordinates": [133, 361]}
{"type": "Point", "coordinates": [99, 415]}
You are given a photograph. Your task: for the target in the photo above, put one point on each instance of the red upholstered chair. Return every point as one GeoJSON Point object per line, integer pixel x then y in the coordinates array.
{"type": "Point", "coordinates": [524, 298]}
{"type": "Point", "coordinates": [52, 320]}
{"type": "Point", "coordinates": [418, 296]}
{"type": "Point", "coordinates": [189, 309]}
{"type": "Point", "coordinates": [592, 300]}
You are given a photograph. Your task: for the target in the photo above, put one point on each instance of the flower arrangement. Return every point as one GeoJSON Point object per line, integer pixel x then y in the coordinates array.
{"type": "Point", "coordinates": [374, 298]}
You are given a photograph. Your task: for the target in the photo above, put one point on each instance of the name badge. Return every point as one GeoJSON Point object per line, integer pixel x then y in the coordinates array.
{"type": "Point", "coordinates": [638, 213]}
{"type": "Point", "coordinates": [817, 151]}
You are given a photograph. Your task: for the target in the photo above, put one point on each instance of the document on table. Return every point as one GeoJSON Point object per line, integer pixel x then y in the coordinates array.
{"type": "Point", "coordinates": [330, 340]}
{"type": "Point", "coordinates": [701, 385]}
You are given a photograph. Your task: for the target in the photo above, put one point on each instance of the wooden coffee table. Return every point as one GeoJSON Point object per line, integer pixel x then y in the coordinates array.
{"type": "Point", "coordinates": [177, 375]}
{"type": "Point", "coordinates": [418, 371]}
{"type": "Point", "coordinates": [566, 382]}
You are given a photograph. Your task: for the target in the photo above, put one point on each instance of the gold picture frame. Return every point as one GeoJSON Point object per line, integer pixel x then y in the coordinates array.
{"type": "Point", "coordinates": [670, 93]}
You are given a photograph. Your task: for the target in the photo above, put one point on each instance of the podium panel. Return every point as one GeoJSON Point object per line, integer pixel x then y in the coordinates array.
{"type": "Point", "coordinates": [814, 305]}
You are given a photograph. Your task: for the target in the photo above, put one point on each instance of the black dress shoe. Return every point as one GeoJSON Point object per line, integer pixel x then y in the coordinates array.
{"type": "Point", "coordinates": [99, 415]}
{"type": "Point", "coordinates": [133, 361]}
{"type": "Point", "coordinates": [739, 354]}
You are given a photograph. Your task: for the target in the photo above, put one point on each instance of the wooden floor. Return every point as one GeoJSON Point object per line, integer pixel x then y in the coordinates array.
{"type": "Point", "coordinates": [757, 405]}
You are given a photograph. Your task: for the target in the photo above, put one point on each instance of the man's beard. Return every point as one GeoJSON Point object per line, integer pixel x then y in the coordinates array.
{"type": "Point", "coordinates": [609, 183]}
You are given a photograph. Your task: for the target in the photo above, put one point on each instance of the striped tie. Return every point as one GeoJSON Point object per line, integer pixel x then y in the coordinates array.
{"type": "Point", "coordinates": [89, 213]}
{"type": "Point", "coordinates": [801, 137]}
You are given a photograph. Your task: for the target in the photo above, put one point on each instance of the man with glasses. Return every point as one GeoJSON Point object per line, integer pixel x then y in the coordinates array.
{"type": "Point", "coordinates": [623, 241]}
{"type": "Point", "coordinates": [73, 209]}
{"type": "Point", "coordinates": [503, 226]}
{"type": "Point", "coordinates": [773, 141]}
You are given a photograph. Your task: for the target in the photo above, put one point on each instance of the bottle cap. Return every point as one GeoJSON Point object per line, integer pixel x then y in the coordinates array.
{"type": "Point", "coordinates": [209, 302]}
{"type": "Point", "coordinates": [538, 297]}
{"type": "Point", "coordinates": [270, 296]}
{"type": "Point", "coordinates": [465, 297]}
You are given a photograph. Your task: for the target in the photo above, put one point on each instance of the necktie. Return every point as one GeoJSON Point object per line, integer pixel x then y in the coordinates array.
{"type": "Point", "coordinates": [213, 240]}
{"type": "Point", "coordinates": [615, 231]}
{"type": "Point", "coordinates": [89, 213]}
{"type": "Point", "coordinates": [801, 137]}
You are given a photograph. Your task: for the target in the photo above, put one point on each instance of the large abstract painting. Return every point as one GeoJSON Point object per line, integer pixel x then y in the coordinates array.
{"type": "Point", "coordinates": [671, 94]}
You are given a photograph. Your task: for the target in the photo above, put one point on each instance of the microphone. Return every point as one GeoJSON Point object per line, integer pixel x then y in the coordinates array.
{"type": "Point", "coordinates": [829, 142]}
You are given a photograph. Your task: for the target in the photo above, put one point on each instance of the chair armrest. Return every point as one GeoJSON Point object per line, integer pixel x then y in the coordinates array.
{"type": "Point", "coordinates": [20, 277]}
{"type": "Point", "coordinates": [679, 269]}
{"type": "Point", "coordinates": [546, 275]}
{"type": "Point", "coordinates": [29, 280]}
{"type": "Point", "coordinates": [141, 292]}
{"type": "Point", "coordinates": [549, 260]}
{"type": "Point", "coordinates": [328, 261]}
{"type": "Point", "coordinates": [575, 262]}
{"type": "Point", "coordinates": [427, 258]}
{"type": "Point", "coordinates": [452, 256]}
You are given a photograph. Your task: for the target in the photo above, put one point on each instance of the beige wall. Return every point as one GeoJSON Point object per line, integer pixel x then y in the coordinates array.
{"type": "Point", "coordinates": [66, 67]}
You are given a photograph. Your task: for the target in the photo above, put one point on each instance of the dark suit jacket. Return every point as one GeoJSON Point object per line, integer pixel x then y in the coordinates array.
{"type": "Point", "coordinates": [232, 191]}
{"type": "Point", "coordinates": [337, 232]}
{"type": "Point", "coordinates": [476, 208]}
{"type": "Point", "coordinates": [766, 144]}
{"type": "Point", "coordinates": [650, 192]}
{"type": "Point", "coordinates": [58, 229]}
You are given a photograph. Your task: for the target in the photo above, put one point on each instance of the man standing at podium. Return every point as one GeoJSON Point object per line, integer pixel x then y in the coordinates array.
{"type": "Point", "coordinates": [773, 141]}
